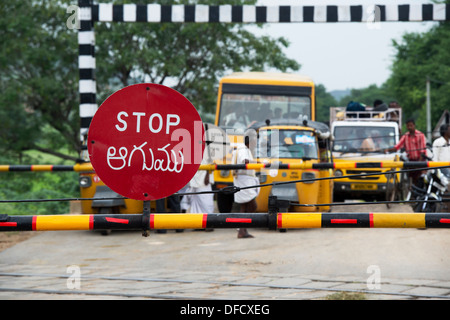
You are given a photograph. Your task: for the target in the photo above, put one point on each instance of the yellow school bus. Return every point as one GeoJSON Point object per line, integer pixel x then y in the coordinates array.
{"type": "Point", "coordinates": [247, 99]}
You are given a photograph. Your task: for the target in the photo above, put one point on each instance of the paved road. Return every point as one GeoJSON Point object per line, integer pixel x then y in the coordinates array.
{"type": "Point", "coordinates": [298, 264]}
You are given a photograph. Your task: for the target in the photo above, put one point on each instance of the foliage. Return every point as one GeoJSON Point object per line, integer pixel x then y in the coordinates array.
{"type": "Point", "coordinates": [38, 185]}
{"type": "Point", "coordinates": [368, 95]}
{"type": "Point", "coordinates": [188, 57]}
{"type": "Point", "coordinates": [324, 101]}
{"type": "Point", "coordinates": [38, 77]}
{"type": "Point", "coordinates": [39, 66]}
{"type": "Point", "coordinates": [418, 56]}
{"type": "Point", "coordinates": [365, 96]}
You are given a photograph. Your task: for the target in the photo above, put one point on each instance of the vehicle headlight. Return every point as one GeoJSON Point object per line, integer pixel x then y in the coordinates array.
{"type": "Point", "coordinates": [338, 173]}
{"type": "Point", "coordinates": [85, 181]}
{"type": "Point", "coordinates": [307, 175]}
{"type": "Point", "coordinates": [262, 177]}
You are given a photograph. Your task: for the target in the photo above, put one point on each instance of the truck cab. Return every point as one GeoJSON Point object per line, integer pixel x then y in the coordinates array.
{"type": "Point", "coordinates": [363, 136]}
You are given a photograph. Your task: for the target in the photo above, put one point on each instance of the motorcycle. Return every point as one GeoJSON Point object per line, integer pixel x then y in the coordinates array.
{"type": "Point", "coordinates": [429, 191]}
{"type": "Point", "coordinates": [430, 187]}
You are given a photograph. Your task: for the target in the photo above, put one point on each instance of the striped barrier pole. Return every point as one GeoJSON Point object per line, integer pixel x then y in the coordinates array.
{"type": "Point", "coordinates": [224, 220]}
{"type": "Point", "coordinates": [328, 165]}
{"type": "Point", "coordinates": [86, 167]}
{"type": "Point", "coordinates": [79, 167]}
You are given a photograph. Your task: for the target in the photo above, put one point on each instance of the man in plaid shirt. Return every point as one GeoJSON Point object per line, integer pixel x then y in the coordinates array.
{"type": "Point", "coordinates": [414, 142]}
{"type": "Point", "coordinates": [415, 145]}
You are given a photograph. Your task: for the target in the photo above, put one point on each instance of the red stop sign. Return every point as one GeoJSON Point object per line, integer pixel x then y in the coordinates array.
{"type": "Point", "coordinates": [146, 141]}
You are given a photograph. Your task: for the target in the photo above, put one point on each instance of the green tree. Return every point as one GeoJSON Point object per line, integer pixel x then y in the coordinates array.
{"type": "Point", "coordinates": [368, 95]}
{"type": "Point", "coordinates": [324, 100]}
{"type": "Point", "coordinates": [188, 57]}
{"type": "Point", "coordinates": [418, 56]}
{"type": "Point", "coordinates": [39, 67]}
{"type": "Point", "coordinates": [38, 79]}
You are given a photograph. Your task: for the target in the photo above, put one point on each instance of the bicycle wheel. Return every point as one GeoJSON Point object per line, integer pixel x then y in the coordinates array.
{"type": "Point", "coordinates": [405, 186]}
{"type": "Point", "coordinates": [392, 187]}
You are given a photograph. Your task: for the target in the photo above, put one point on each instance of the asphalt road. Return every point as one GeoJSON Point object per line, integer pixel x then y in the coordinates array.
{"type": "Point", "coordinates": [401, 257]}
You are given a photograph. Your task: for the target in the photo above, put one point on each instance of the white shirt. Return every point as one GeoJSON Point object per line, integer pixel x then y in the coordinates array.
{"type": "Point", "coordinates": [198, 180]}
{"type": "Point", "coordinates": [441, 150]}
{"type": "Point", "coordinates": [240, 155]}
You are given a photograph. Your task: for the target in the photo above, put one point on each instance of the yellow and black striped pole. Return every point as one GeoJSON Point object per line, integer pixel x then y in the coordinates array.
{"type": "Point", "coordinates": [224, 220]}
{"type": "Point", "coordinates": [86, 167]}
{"type": "Point", "coordinates": [328, 165]}
{"type": "Point", "coordinates": [79, 167]}
{"type": "Point", "coordinates": [363, 220]}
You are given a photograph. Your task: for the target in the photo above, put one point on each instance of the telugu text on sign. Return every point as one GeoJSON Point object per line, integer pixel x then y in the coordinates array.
{"type": "Point", "coordinates": [146, 141]}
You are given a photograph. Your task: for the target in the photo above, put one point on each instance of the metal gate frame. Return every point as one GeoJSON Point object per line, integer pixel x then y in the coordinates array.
{"type": "Point", "coordinates": [90, 13]}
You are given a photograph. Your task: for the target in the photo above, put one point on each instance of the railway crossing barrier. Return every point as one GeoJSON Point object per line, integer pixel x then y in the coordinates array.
{"type": "Point", "coordinates": [272, 220]}
{"type": "Point", "coordinates": [275, 221]}
{"type": "Point", "coordinates": [154, 13]}
{"type": "Point", "coordinates": [87, 167]}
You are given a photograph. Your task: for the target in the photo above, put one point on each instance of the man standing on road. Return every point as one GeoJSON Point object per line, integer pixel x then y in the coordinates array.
{"type": "Point", "coordinates": [244, 178]}
{"type": "Point", "coordinates": [202, 199]}
{"type": "Point", "coordinates": [441, 147]}
{"type": "Point", "coordinates": [415, 146]}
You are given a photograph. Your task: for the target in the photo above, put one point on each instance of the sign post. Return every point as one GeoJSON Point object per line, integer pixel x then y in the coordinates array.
{"type": "Point", "coordinates": [146, 141]}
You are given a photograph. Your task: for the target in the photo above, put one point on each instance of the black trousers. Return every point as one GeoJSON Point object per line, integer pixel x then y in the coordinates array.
{"type": "Point", "coordinates": [173, 202]}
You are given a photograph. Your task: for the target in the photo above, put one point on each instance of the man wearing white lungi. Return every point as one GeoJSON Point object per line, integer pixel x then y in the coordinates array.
{"type": "Point", "coordinates": [203, 202]}
{"type": "Point", "coordinates": [199, 203]}
{"type": "Point", "coordinates": [245, 178]}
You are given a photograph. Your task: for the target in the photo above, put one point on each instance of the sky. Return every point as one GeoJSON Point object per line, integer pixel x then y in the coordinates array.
{"type": "Point", "coordinates": [343, 55]}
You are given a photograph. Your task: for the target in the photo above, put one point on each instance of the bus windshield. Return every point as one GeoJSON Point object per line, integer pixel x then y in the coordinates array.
{"type": "Point", "coordinates": [294, 144]}
{"type": "Point", "coordinates": [238, 111]}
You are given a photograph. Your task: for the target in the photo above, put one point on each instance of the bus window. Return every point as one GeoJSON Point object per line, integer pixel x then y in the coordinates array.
{"type": "Point", "coordinates": [238, 111]}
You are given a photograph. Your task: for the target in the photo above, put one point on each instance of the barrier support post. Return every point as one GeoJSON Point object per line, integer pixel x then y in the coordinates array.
{"type": "Point", "coordinates": [273, 213]}
{"type": "Point", "coordinates": [146, 219]}
{"type": "Point", "coordinates": [275, 206]}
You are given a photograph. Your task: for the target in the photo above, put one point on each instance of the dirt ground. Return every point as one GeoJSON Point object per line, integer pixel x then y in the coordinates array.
{"type": "Point", "coordinates": [9, 239]}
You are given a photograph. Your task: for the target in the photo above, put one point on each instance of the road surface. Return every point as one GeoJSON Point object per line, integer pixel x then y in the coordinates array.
{"type": "Point", "coordinates": [298, 264]}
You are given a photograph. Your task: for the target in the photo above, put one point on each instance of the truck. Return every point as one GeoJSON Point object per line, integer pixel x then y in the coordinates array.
{"type": "Point", "coordinates": [363, 136]}
{"type": "Point", "coordinates": [273, 102]}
